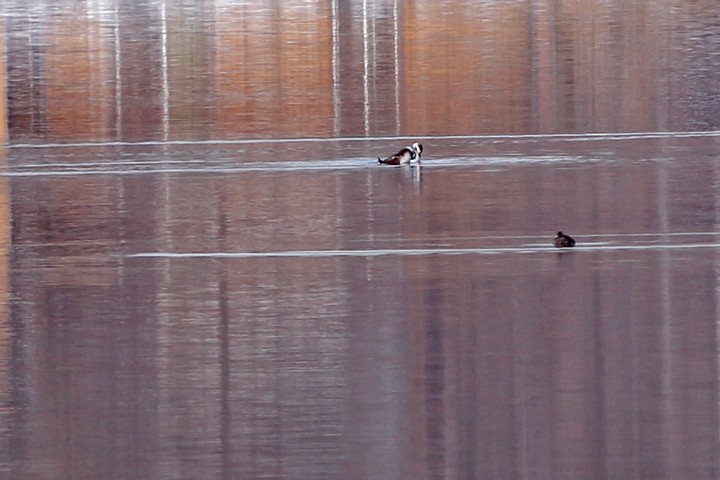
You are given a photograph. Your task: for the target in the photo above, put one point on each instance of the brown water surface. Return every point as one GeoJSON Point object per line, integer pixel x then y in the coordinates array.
{"type": "Point", "coordinates": [207, 275]}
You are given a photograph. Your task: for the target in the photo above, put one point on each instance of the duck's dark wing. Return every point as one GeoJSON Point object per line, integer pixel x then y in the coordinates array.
{"type": "Point", "coordinates": [409, 153]}
{"type": "Point", "coordinates": [393, 160]}
{"type": "Point", "coordinates": [405, 151]}
{"type": "Point", "coordinates": [564, 241]}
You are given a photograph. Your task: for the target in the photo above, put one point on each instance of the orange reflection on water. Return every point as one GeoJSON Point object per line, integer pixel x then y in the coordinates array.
{"type": "Point", "coordinates": [3, 93]}
{"type": "Point", "coordinates": [216, 70]}
{"type": "Point", "coordinates": [274, 65]}
{"type": "Point", "coordinates": [79, 83]}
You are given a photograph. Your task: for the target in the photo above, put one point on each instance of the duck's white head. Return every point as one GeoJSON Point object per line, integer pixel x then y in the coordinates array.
{"type": "Point", "coordinates": [417, 147]}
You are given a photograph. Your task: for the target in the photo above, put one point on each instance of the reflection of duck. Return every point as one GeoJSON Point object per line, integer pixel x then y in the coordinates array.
{"type": "Point", "coordinates": [563, 240]}
{"type": "Point", "coordinates": [411, 175]}
{"type": "Point", "coordinates": [404, 156]}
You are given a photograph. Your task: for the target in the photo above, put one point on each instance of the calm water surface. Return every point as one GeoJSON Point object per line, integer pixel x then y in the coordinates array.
{"type": "Point", "coordinates": [208, 275]}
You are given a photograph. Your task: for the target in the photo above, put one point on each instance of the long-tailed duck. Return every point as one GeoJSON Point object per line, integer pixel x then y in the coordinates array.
{"type": "Point", "coordinates": [406, 155]}
{"type": "Point", "coordinates": [563, 240]}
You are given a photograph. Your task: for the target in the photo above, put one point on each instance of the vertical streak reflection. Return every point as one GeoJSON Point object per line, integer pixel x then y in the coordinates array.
{"type": "Point", "coordinates": [38, 109]}
{"type": "Point", "coordinates": [165, 85]}
{"type": "Point", "coordinates": [669, 454]}
{"type": "Point", "coordinates": [224, 340]}
{"type": "Point", "coordinates": [335, 19]}
{"type": "Point", "coordinates": [717, 294]}
{"type": "Point", "coordinates": [396, 65]}
{"type": "Point", "coordinates": [366, 69]}
{"type": "Point", "coordinates": [3, 88]}
{"type": "Point", "coordinates": [6, 330]}
{"type": "Point", "coordinates": [118, 77]}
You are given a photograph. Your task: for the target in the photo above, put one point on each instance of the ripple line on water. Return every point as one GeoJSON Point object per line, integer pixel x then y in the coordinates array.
{"type": "Point", "coordinates": [245, 141]}
{"type": "Point", "coordinates": [417, 251]}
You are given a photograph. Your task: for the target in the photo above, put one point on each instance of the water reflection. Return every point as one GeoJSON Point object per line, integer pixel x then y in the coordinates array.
{"type": "Point", "coordinates": [9, 340]}
{"type": "Point", "coordinates": [269, 302]}
{"type": "Point", "coordinates": [198, 70]}
{"type": "Point", "coordinates": [3, 93]}
{"type": "Point", "coordinates": [508, 360]}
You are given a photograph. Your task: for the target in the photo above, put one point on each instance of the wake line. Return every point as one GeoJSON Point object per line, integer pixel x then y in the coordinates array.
{"type": "Point", "coordinates": [583, 236]}
{"type": "Point", "coordinates": [413, 251]}
{"type": "Point", "coordinates": [249, 141]}
{"type": "Point", "coordinates": [112, 168]}
{"type": "Point", "coordinates": [66, 173]}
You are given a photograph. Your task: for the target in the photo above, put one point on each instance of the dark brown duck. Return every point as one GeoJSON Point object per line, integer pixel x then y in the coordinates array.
{"type": "Point", "coordinates": [562, 240]}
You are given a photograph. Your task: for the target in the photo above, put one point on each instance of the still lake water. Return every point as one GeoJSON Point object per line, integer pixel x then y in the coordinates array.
{"type": "Point", "coordinates": [208, 275]}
